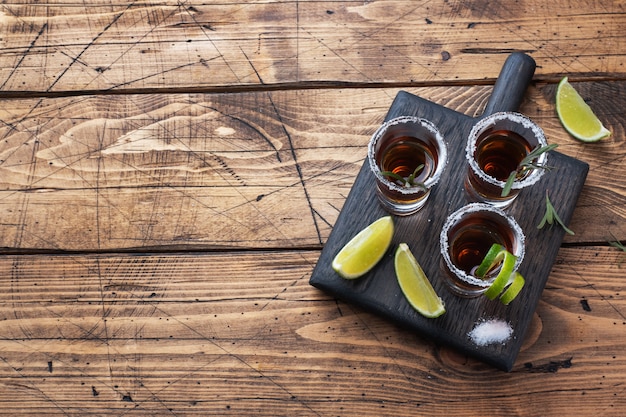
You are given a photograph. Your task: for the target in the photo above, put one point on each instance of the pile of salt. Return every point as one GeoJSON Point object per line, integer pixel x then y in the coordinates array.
{"type": "Point", "coordinates": [491, 331]}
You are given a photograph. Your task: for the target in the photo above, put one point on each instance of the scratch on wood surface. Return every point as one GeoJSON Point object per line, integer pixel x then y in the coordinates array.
{"type": "Point", "coordinates": [77, 57]}
{"type": "Point", "coordinates": [24, 55]}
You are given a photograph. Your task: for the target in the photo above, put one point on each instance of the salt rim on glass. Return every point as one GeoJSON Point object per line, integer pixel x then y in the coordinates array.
{"type": "Point", "coordinates": [524, 121]}
{"type": "Point", "coordinates": [428, 125]}
{"type": "Point", "coordinates": [455, 217]}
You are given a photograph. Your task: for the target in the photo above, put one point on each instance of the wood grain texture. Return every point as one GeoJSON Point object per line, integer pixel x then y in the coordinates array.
{"type": "Point", "coordinates": [163, 334]}
{"type": "Point", "coordinates": [56, 46]}
{"type": "Point", "coordinates": [211, 171]}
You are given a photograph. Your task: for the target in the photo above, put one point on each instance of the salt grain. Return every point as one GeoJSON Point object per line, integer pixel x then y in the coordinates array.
{"type": "Point", "coordinates": [491, 331]}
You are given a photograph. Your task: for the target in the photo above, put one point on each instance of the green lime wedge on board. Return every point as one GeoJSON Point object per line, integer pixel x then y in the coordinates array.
{"type": "Point", "coordinates": [364, 250]}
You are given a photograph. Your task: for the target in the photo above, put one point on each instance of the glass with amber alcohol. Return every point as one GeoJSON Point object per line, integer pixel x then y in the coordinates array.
{"type": "Point", "coordinates": [496, 146]}
{"type": "Point", "coordinates": [407, 156]}
{"type": "Point", "coordinates": [465, 239]}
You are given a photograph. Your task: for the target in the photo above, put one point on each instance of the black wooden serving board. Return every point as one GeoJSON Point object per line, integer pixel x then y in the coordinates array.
{"type": "Point", "coordinates": [378, 290]}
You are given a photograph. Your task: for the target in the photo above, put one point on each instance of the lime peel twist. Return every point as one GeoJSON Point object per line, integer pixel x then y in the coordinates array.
{"type": "Point", "coordinates": [508, 283]}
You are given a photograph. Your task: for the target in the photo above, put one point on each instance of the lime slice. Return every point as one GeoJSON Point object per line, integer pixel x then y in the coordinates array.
{"type": "Point", "coordinates": [365, 249]}
{"type": "Point", "coordinates": [414, 284]}
{"type": "Point", "coordinates": [503, 277]}
{"type": "Point", "coordinates": [576, 115]}
{"type": "Point", "coordinates": [493, 257]}
{"type": "Point", "coordinates": [516, 286]}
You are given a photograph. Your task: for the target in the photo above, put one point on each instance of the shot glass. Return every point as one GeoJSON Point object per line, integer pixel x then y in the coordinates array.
{"type": "Point", "coordinates": [465, 239]}
{"type": "Point", "coordinates": [496, 146]}
{"type": "Point", "coordinates": [407, 156]}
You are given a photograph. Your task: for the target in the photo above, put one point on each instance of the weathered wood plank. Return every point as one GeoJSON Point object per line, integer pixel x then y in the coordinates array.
{"type": "Point", "coordinates": [267, 169]}
{"type": "Point", "coordinates": [204, 335]}
{"type": "Point", "coordinates": [57, 46]}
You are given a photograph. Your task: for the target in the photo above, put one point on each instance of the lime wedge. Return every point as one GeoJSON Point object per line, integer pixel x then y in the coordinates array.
{"type": "Point", "coordinates": [503, 277]}
{"type": "Point", "coordinates": [365, 249]}
{"type": "Point", "coordinates": [414, 284]}
{"type": "Point", "coordinates": [576, 115]}
{"type": "Point", "coordinates": [516, 286]}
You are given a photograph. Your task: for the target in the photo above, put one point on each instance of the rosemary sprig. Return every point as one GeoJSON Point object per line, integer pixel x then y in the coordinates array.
{"type": "Point", "coordinates": [551, 216]}
{"type": "Point", "coordinates": [410, 180]}
{"type": "Point", "coordinates": [526, 164]}
{"type": "Point", "coordinates": [619, 245]}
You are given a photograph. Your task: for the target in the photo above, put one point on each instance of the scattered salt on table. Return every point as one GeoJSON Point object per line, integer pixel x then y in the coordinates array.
{"type": "Point", "coordinates": [491, 331]}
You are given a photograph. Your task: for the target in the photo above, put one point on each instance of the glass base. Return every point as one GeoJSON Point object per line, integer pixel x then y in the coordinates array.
{"type": "Point", "coordinates": [475, 197]}
{"type": "Point", "coordinates": [400, 209]}
{"type": "Point", "coordinates": [458, 288]}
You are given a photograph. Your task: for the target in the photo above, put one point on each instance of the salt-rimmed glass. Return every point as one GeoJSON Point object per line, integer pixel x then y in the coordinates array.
{"type": "Point", "coordinates": [401, 145]}
{"type": "Point", "coordinates": [495, 147]}
{"type": "Point", "coordinates": [465, 238]}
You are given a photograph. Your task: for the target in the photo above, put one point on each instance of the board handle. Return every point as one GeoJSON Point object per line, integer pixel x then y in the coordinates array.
{"type": "Point", "coordinates": [511, 85]}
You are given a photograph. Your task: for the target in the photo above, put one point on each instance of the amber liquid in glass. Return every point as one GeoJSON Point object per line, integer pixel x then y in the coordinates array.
{"type": "Point", "coordinates": [498, 153]}
{"type": "Point", "coordinates": [403, 155]}
{"type": "Point", "coordinates": [470, 241]}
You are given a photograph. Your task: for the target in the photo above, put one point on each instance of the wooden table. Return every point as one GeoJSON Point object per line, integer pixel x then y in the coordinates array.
{"type": "Point", "coordinates": [171, 171]}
